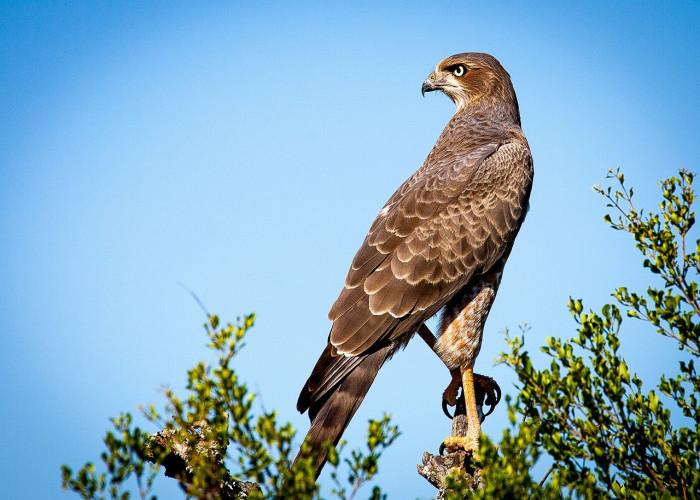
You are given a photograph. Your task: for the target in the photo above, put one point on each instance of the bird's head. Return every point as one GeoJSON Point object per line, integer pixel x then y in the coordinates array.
{"type": "Point", "coordinates": [472, 77]}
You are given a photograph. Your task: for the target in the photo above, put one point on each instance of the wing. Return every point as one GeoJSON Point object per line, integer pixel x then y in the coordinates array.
{"type": "Point", "coordinates": [452, 220]}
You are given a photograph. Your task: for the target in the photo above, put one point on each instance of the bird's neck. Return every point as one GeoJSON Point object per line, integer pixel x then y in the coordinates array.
{"type": "Point", "coordinates": [479, 124]}
{"type": "Point", "coordinates": [493, 111]}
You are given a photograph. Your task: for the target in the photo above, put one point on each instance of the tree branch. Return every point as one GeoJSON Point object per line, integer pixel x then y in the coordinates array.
{"type": "Point", "coordinates": [175, 463]}
{"type": "Point", "coordinates": [436, 468]}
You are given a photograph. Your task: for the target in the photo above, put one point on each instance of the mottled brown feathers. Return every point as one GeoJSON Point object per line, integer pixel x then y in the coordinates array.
{"type": "Point", "coordinates": [404, 273]}
{"type": "Point", "coordinates": [442, 237]}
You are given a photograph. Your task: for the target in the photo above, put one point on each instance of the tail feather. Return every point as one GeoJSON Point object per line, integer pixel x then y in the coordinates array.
{"type": "Point", "coordinates": [331, 414]}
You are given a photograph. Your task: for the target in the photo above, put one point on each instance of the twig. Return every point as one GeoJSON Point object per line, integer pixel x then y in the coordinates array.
{"type": "Point", "coordinates": [194, 296]}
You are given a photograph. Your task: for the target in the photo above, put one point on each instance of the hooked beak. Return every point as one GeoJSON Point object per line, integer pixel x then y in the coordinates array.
{"type": "Point", "coordinates": [427, 87]}
{"type": "Point", "coordinates": [429, 84]}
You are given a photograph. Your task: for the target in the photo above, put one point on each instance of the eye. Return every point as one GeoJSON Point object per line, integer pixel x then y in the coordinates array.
{"type": "Point", "coordinates": [458, 71]}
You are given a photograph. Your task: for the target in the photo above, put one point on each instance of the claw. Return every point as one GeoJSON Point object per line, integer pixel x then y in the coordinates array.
{"type": "Point", "coordinates": [492, 399]}
{"type": "Point", "coordinates": [488, 393]}
{"type": "Point", "coordinates": [445, 409]}
{"type": "Point", "coordinates": [451, 393]}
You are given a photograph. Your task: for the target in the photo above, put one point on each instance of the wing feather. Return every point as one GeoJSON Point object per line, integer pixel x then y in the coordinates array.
{"type": "Point", "coordinates": [379, 278]}
{"type": "Point", "coordinates": [445, 224]}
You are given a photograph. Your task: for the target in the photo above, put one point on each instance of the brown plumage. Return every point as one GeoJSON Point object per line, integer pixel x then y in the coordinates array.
{"type": "Point", "coordinates": [441, 241]}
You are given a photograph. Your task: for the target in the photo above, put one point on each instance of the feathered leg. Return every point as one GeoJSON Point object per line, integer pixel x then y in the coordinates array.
{"type": "Point", "coordinates": [461, 333]}
{"type": "Point", "coordinates": [487, 392]}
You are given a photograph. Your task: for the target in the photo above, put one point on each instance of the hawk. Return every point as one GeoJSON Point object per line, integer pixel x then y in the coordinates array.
{"type": "Point", "coordinates": [439, 244]}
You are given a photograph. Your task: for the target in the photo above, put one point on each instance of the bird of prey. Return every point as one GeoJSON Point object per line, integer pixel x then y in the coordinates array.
{"type": "Point", "coordinates": [439, 244]}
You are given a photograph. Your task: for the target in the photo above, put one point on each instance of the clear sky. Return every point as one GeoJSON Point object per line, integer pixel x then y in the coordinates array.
{"type": "Point", "coordinates": [244, 149]}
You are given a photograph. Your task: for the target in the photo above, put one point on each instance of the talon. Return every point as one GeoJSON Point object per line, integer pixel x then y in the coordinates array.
{"type": "Point", "coordinates": [449, 396]}
{"type": "Point", "coordinates": [492, 399]}
{"type": "Point", "coordinates": [441, 450]}
{"type": "Point", "coordinates": [488, 393]}
{"type": "Point", "coordinates": [445, 410]}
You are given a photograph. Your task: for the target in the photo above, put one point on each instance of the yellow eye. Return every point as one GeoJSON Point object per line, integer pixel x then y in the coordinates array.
{"type": "Point", "coordinates": [458, 71]}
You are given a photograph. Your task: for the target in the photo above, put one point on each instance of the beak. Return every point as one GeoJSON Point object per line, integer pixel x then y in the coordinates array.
{"type": "Point", "coordinates": [429, 84]}
{"type": "Point", "coordinates": [427, 87]}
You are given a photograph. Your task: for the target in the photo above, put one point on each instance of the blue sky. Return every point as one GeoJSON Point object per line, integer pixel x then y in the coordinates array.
{"type": "Point", "coordinates": [244, 149]}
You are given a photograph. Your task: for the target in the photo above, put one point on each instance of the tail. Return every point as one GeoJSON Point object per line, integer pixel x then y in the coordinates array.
{"type": "Point", "coordinates": [333, 393]}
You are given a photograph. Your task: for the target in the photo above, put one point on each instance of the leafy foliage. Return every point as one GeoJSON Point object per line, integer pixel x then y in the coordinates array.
{"type": "Point", "coordinates": [605, 435]}
{"type": "Point", "coordinates": [220, 442]}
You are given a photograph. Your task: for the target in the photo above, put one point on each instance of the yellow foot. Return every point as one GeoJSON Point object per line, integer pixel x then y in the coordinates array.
{"type": "Point", "coordinates": [450, 394]}
{"type": "Point", "coordinates": [456, 443]}
{"type": "Point", "coordinates": [487, 393]}
{"type": "Point", "coordinates": [486, 390]}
